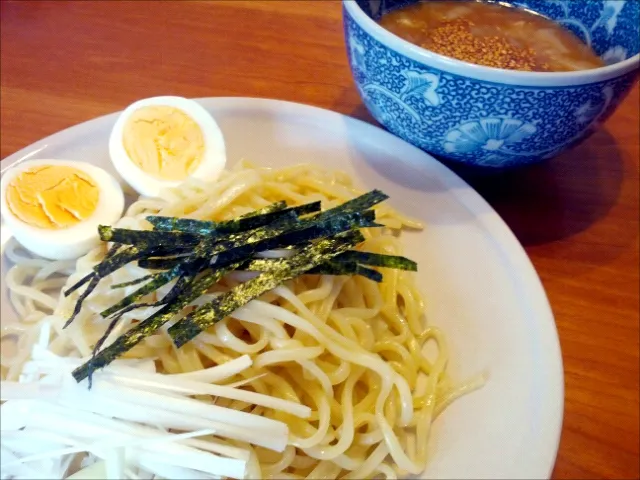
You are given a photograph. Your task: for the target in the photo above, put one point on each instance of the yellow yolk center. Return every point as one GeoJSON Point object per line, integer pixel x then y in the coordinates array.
{"type": "Point", "coordinates": [52, 196]}
{"type": "Point", "coordinates": [164, 142]}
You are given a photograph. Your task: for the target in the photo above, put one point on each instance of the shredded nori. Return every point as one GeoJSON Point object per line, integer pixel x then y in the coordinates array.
{"type": "Point", "coordinates": [132, 282]}
{"type": "Point", "coordinates": [330, 267]}
{"type": "Point", "coordinates": [377, 260]}
{"type": "Point", "coordinates": [93, 283]}
{"type": "Point", "coordinates": [241, 224]}
{"type": "Point", "coordinates": [274, 207]}
{"type": "Point", "coordinates": [222, 306]}
{"type": "Point", "coordinates": [198, 253]}
{"type": "Point", "coordinates": [160, 263]}
{"type": "Point", "coordinates": [303, 232]}
{"type": "Point", "coordinates": [184, 270]}
{"type": "Point", "coordinates": [126, 255]}
{"type": "Point", "coordinates": [158, 280]}
{"type": "Point", "coordinates": [78, 284]}
{"type": "Point", "coordinates": [351, 262]}
{"type": "Point", "coordinates": [132, 253]}
{"type": "Point", "coordinates": [181, 286]}
{"type": "Point", "coordinates": [343, 268]}
{"type": "Point", "coordinates": [135, 335]}
{"type": "Point", "coordinates": [146, 238]}
{"type": "Point", "coordinates": [358, 204]}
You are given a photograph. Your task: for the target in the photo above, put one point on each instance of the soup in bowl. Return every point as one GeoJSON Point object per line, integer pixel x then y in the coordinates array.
{"type": "Point", "coordinates": [421, 72]}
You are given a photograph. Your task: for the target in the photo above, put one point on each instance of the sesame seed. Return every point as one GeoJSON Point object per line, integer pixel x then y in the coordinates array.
{"type": "Point", "coordinates": [455, 39]}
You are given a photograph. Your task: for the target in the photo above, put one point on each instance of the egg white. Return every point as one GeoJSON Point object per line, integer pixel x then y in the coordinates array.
{"type": "Point", "coordinates": [209, 168]}
{"type": "Point", "coordinates": [74, 241]}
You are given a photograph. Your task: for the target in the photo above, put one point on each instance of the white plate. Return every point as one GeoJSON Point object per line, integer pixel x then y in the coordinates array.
{"type": "Point", "coordinates": [481, 288]}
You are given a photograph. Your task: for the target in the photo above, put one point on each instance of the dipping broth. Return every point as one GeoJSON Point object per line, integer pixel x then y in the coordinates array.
{"type": "Point", "coordinates": [492, 35]}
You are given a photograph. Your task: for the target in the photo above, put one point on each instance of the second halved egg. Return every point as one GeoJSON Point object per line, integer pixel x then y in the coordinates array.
{"type": "Point", "coordinates": [159, 142]}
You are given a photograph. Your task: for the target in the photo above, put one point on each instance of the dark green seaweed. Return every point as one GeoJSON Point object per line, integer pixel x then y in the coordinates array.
{"type": "Point", "coordinates": [93, 283]}
{"type": "Point", "coordinates": [199, 253]}
{"type": "Point", "coordinates": [158, 280]}
{"type": "Point", "coordinates": [331, 267]}
{"type": "Point", "coordinates": [241, 224]}
{"type": "Point", "coordinates": [146, 238]}
{"type": "Point", "coordinates": [221, 306]}
{"type": "Point", "coordinates": [132, 282]}
{"type": "Point", "coordinates": [303, 232]}
{"type": "Point", "coordinates": [79, 283]}
{"type": "Point", "coordinates": [378, 260]}
{"type": "Point", "coordinates": [135, 335]}
{"type": "Point", "coordinates": [344, 268]}
{"type": "Point", "coordinates": [105, 335]}
{"type": "Point", "coordinates": [160, 263]}
{"type": "Point", "coordinates": [184, 270]}
{"type": "Point", "coordinates": [346, 262]}
{"type": "Point", "coordinates": [132, 253]}
{"type": "Point", "coordinates": [274, 207]}
{"type": "Point", "coordinates": [185, 282]}
{"type": "Point", "coordinates": [112, 251]}
{"type": "Point", "coordinates": [262, 264]}
{"type": "Point", "coordinates": [358, 204]}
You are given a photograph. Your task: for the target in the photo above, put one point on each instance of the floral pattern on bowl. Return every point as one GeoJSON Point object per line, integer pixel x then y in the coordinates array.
{"type": "Point", "coordinates": [490, 123]}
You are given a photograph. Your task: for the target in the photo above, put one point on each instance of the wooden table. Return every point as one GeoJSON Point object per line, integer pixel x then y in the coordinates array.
{"type": "Point", "coordinates": [67, 62]}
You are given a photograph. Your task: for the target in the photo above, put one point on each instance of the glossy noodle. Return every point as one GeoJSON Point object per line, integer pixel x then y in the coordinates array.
{"type": "Point", "coordinates": [352, 350]}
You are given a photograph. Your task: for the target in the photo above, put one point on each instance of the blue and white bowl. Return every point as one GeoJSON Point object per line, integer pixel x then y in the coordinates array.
{"type": "Point", "coordinates": [486, 116]}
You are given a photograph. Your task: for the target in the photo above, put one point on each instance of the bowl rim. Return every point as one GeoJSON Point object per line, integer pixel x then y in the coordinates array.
{"type": "Point", "coordinates": [480, 72]}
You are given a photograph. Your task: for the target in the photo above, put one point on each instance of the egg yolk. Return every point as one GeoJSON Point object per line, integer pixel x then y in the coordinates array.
{"type": "Point", "coordinates": [52, 196]}
{"type": "Point", "coordinates": [164, 142]}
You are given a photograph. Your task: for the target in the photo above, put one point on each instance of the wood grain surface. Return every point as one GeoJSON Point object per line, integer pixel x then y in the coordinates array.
{"type": "Point", "coordinates": [65, 62]}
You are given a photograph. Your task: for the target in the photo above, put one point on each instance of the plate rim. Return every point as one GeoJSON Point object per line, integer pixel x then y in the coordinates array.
{"type": "Point", "coordinates": [485, 214]}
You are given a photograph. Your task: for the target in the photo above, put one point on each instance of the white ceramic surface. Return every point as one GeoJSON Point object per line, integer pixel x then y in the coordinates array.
{"type": "Point", "coordinates": [480, 287]}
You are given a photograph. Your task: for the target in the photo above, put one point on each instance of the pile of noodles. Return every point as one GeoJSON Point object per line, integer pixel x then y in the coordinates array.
{"type": "Point", "coordinates": [350, 349]}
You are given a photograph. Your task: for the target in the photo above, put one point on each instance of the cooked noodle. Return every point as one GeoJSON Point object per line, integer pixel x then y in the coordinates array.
{"type": "Point", "coordinates": [349, 348]}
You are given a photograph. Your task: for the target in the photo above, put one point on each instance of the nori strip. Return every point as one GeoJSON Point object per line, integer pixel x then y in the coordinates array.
{"type": "Point", "coordinates": [369, 273]}
{"type": "Point", "coordinates": [358, 204]}
{"type": "Point", "coordinates": [159, 279]}
{"type": "Point", "coordinates": [284, 236]}
{"type": "Point", "coordinates": [120, 259]}
{"type": "Point", "coordinates": [135, 306]}
{"type": "Point", "coordinates": [132, 253]}
{"type": "Point", "coordinates": [226, 247]}
{"type": "Point", "coordinates": [222, 306]}
{"type": "Point", "coordinates": [103, 338]}
{"type": "Point", "coordinates": [78, 284]}
{"type": "Point", "coordinates": [107, 266]}
{"type": "Point", "coordinates": [159, 263]}
{"type": "Point", "coordinates": [240, 224]}
{"type": "Point", "coordinates": [146, 238]}
{"type": "Point", "coordinates": [263, 264]}
{"type": "Point", "coordinates": [274, 207]}
{"type": "Point", "coordinates": [378, 260]}
{"type": "Point", "coordinates": [182, 283]}
{"type": "Point", "coordinates": [132, 282]}
{"type": "Point", "coordinates": [343, 268]}
{"type": "Point", "coordinates": [347, 216]}
{"type": "Point", "coordinates": [76, 310]}
{"type": "Point", "coordinates": [345, 262]}
{"type": "Point", "coordinates": [132, 337]}
{"type": "Point", "coordinates": [330, 267]}
{"type": "Point", "coordinates": [110, 253]}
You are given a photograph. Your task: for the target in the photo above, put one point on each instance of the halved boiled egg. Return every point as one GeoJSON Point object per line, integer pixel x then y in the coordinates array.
{"type": "Point", "coordinates": [159, 142]}
{"type": "Point", "coordinates": [54, 207]}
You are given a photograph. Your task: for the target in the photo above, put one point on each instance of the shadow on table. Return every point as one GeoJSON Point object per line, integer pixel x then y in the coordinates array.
{"type": "Point", "coordinates": [551, 200]}
{"type": "Point", "coordinates": [559, 198]}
